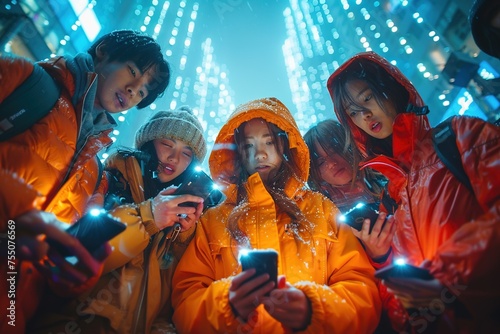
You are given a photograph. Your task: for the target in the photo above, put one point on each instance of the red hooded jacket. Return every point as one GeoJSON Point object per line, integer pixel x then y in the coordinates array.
{"type": "Point", "coordinates": [438, 219]}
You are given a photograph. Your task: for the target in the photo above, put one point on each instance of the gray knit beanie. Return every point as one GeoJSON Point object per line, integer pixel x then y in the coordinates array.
{"type": "Point", "coordinates": [179, 124]}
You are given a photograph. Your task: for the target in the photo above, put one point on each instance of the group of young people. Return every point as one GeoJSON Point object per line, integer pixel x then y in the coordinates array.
{"type": "Point", "coordinates": [175, 268]}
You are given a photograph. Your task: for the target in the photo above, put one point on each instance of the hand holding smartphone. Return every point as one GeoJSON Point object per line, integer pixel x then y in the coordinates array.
{"type": "Point", "coordinates": [403, 271]}
{"type": "Point", "coordinates": [263, 260]}
{"type": "Point", "coordinates": [92, 230]}
{"type": "Point", "coordinates": [201, 185]}
{"type": "Point", "coordinates": [357, 215]}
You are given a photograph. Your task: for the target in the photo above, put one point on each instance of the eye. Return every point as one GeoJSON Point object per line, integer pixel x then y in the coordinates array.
{"type": "Point", "coordinates": [368, 97]}
{"type": "Point", "coordinates": [132, 71]}
{"type": "Point", "coordinates": [167, 144]}
{"type": "Point", "coordinates": [247, 146]}
{"type": "Point", "coordinates": [352, 113]}
{"type": "Point", "coordinates": [142, 93]}
{"type": "Point", "coordinates": [188, 153]}
{"type": "Point", "coordinates": [270, 142]}
{"type": "Point", "coordinates": [320, 162]}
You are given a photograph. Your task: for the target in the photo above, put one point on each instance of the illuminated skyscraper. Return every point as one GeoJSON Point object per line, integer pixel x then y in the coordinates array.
{"type": "Point", "coordinates": [197, 80]}
{"type": "Point", "coordinates": [417, 36]}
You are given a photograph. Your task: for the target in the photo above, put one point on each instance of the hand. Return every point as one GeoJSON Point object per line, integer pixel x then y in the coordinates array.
{"type": "Point", "coordinates": [378, 242]}
{"type": "Point", "coordinates": [289, 305]}
{"type": "Point", "coordinates": [245, 295]}
{"type": "Point", "coordinates": [414, 292]}
{"type": "Point", "coordinates": [34, 228]}
{"type": "Point", "coordinates": [167, 212]}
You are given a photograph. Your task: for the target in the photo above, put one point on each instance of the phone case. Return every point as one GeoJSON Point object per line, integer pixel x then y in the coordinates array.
{"type": "Point", "coordinates": [201, 185]}
{"type": "Point", "coordinates": [264, 261]}
{"type": "Point", "coordinates": [92, 231]}
{"type": "Point", "coordinates": [404, 271]}
{"type": "Point", "coordinates": [357, 215]}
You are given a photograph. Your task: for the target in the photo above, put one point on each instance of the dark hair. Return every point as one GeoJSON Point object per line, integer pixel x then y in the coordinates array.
{"type": "Point", "coordinates": [275, 186]}
{"type": "Point", "coordinates": [143, 50]}
{"type": "Point", "coordinates": [385, 89]}
{"type": "Point", "coordinates": [333, 138]}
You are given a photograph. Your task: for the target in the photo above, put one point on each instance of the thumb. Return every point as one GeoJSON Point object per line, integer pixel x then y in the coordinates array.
{"type": "Point", "coordinates": [168, 191]}
{"type": "Point", "coordinates": [281, 282]}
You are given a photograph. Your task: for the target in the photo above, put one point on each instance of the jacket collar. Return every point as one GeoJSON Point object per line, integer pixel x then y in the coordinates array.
{"type": "Point", "coordinates": [223, 155]}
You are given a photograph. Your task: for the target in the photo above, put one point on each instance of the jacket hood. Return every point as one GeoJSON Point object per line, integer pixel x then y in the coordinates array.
{"type": "Point", "coordinates": [223, 155]}
{"type": "Point", "coordinates": [405, 122]}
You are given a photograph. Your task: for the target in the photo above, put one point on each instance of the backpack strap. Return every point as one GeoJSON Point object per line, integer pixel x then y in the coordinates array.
{"type": "Point", "coordinates": [444, 140]}
{"type": "Point", "coordinates": [28, 103]}
{"type": "Point", "coordinates": [100, 171]}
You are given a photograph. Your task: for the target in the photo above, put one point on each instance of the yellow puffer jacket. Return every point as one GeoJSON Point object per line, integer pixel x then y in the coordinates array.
{"type": "Point", "coordinates": [35, 172]}
{"type": "Point", "coordinates": [134, 290]}
{"type": "Point", "coordinates": [332, 270]}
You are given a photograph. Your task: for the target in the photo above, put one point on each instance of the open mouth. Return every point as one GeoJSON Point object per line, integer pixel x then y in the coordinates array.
{"type": "Point", "coordinates": [120, 100]}
{"type": "Point", "coordinates": [165, 168]}
{"type": "Point", "coordinates": [376, 126]}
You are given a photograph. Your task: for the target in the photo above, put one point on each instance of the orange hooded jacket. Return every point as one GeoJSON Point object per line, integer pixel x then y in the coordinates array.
{"type": "Point", "coordinates": [332, 271]}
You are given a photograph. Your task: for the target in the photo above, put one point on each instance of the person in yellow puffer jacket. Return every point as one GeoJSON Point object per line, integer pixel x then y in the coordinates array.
{"type": "Point", "coordinates": [50, 173]}
{"type": "Point", "coordinates": [133, 294]}
{"type": "Point", "coordinates": [326, 282]}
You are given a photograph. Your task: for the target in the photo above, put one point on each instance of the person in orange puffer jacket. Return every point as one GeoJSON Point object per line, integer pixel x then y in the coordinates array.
{"type": "Point", "coordinates": [49, 172]}
{"type": "Point", "coordinates": [326, 283]}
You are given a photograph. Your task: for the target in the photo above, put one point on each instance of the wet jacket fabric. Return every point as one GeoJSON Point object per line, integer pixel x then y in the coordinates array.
{"type": "Point", "coordinates": [41, 167]}
{"type": "Point", "coordinates": [135, 290]}
{"type": "Point", "coordinates": [332, 270]}
{"type": "Point", "coordinates": [439, 221]}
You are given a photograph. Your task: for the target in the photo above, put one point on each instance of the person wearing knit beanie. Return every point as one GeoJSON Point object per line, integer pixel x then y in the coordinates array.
{"type": "Point", "coordinates": [141, 192]}
{"type": "Point", "coordinates": [179, 124]}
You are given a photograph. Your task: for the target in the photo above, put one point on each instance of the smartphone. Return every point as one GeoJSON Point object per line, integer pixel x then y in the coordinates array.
{"type": "Point", "coordinates": [263, 260]}
{"type": "Point", "coordinates": [403, 271]}
{"type": "Point", "coordinates": [357, 215]}
{"type": "Point", "coordinates": [92, 230]}
{"type": "Point", "coordinates": [201, 185]}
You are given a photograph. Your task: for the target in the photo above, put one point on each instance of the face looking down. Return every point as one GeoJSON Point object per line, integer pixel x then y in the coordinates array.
{"type": "Point", "coordinates": [260, 152]}
{"type": "Point", "coordinates": [121, 86]}
{"type": "Point", "coordinates": [333, 169]}
{"type": "Point", "coordinates": [174, 156]}
{"type": "Point", "coordinates": [366, 113]}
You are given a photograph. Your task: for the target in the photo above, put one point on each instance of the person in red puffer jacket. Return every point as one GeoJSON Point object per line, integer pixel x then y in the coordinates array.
{"type": "Point", "coordinates": [441, 225]}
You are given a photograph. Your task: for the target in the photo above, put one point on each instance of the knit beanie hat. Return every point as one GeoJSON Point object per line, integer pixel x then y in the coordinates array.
{"type": "Point", "coordinates": [178, 124]}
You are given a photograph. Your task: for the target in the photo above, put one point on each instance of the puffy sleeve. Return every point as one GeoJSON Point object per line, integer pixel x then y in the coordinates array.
{"type": "Point", "coordinates": [466, 263]}
{"type": "Point", "coordinates": [200, 301]}
{"type": "Point", "coordinates": [350, 301]}
{"type": "Point", "coordinates": [131, 242]}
